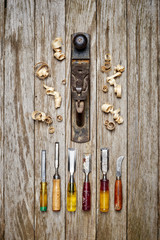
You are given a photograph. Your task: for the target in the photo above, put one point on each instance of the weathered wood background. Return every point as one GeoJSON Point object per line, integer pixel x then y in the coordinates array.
{"type": "Point", "coordinates": [129, 30]}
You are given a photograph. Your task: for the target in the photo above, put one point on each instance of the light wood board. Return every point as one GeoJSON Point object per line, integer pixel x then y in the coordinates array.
{"type": "Point", "coordinates": [129, 31]}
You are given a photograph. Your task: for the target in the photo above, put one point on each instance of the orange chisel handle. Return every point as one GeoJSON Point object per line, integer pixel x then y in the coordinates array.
{"type": "Point", "coordinates": [56, 195]}
{"type": "Point", "coordinates": [118, 195]}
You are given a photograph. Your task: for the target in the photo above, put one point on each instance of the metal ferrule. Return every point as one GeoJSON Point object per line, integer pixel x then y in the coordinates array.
{"type": "Point", "coordinates": [118, 177]}
{"type": "Point", "coordinates": [56, 175]}
{"type": "Point", "coordinates": [87, 177]}
{"type": "Point", "coordinates": [104, 176]}
{"type": "Point", "coordinates": [43, 165]}
{"type": "Point", "coordinates": [71, 180]}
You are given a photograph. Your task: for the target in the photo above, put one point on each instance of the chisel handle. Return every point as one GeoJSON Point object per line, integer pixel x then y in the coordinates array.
{"type": "Point", "coordinates": [86, 201]}
{"type": "Point", "coordinates": [104, 195]}
{"type": "Point", "coordinates": [118, 195]}
{"type": "Point", "coordinates": [43, 197]}
{"type": "Point", "coordinates": [56, 195]}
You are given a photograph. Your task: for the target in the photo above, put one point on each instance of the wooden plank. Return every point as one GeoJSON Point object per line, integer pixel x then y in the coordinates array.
{"type": "Point", "coordinates": [19, 127]}
{"type": "Point", "coordinates": [1, 119]}
{"type": "Point", "coordinates": [49, 24]}
{"type": "Point", "coordinates": [142, 119]}
{"type": "Point", "coordinates": [158, 58]}
{"type": "Point", "coordinates": [111, 38]}
{"type": "Point", "coordinates": [81, 17]}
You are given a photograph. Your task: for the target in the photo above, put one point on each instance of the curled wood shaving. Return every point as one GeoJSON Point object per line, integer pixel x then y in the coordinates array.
{"type": "Point", "coordinates": [119, 68]}
{"type": "Point", "coordinates": [108, 108]}
{"type": "Point", "coordinates": [59, 118]}
{"type": "Point", "coordinates": [107, 64]}
{"type": "Point", "coordinates": [57, 45]}
{"type": "Point", "coordinates": [105, 89]}
{"type": "Point", "coordinates": [118, 90]}
{"type": "Point", "coordinates": [49, 90]}
{"type": "Point", "coordinates": [42, 70]}
{"type": "Point", "coordinates": [112, 82]}
{"type": "Point", "coordinates": [114, 76]}
{"type": "Point", "coordinates": [117, 87]}
{"type": "Point", "coordinates": [109, 125]}
{"type": "Point", "coordinates": [57, 96]}
{"type": "Point", "coordinates": [64, 81]}
{"type": "Point", "coordinates": [48, 120]}
{"type": "Point", "coordinates": [39, 116]}
{"type": "Point", "coordinates": [107, 57]}
{"type": "Point", "coordinates": [51, 130]}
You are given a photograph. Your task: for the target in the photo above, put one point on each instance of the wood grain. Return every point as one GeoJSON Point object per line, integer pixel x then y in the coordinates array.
{"type": "Point", "coordinates": [158, 79]}
{"type": "Point", "coordinates": [142, 120]}
{"type": "Point", "coordinates": [111, 38]}
{"type": "Point", "coordinates": [81, 17]}
{"type": "Point", "coordinates": [2, 227]}
{"type": "Point", "coordinates": [19, 127]}
{"type": "Point", "coordinates": [49, 24]}
{"type": "Point", "coordinates": [129, 30]}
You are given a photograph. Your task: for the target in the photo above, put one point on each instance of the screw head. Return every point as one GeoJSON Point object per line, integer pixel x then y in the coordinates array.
{"type": "Point", "coordinates": [80, 41]}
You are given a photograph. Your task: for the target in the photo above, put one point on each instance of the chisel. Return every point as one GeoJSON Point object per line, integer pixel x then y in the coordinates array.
{"type": "Point", "coordinates": [43, 191]}
{"type": "Point", "coordinates": [104, 182]}
{"type": "Point", "coordinates": [71, 190]}
{"type": "Point", "coordinates": [86, 200]}
{"type": "Point", "coordinates": [56, 193]}
{"type": "Point", "coordinates": [118, 186]}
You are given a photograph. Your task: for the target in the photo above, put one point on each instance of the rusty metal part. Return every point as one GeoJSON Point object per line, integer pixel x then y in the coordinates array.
{"type": "Point", "coordinates": [80, 86]}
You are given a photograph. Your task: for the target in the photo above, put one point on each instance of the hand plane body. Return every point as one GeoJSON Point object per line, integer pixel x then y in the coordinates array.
{"type": "Point", "coordinates": [80, 87]}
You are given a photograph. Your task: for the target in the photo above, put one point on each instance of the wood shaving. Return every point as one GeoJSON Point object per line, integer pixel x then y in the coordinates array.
{"type": "Point", "coordinates": [107, 64]}
{"type": "Point", "coordinates": [114, 76]}
{"type": "Point", "coordinates": [51, 130]}
{"type": "Point", "coordinates": [117, 87]}
{"type": "Point", "coordinates": [39, 116]}
{"type": "Point", "coordinates": [112, 82]}
{"type": "Point", "coordinates": [108, 108]}
{"type": "Point", "coordinates": [48, 120]}
{"type": "Point", "coordinates": [57, 45]}
{"type": "Point", "coordinates": [105, 89]}
{"type": "Point", "coordinates": [107, 57]}
{"type": "Point", "coordinates": [42, 70]}
{"type": "Point", "coordinates": [57, 96]}
{"type": "Point", "coordinates": [118, 90]}
{"type": "Point", "coordinates": [109, 125]}
{"type": "Point", "coordinates": [59, 118]}
{"type": "Point", "coordinates": [64, 81]}
{"type": "Point", "coordinates": [119, 68]}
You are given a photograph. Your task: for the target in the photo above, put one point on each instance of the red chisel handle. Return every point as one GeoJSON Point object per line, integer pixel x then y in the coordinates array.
{"type": "Point", "coordinates": [118, 195]}
{"type": "Point", "coordinates": [86, 197]}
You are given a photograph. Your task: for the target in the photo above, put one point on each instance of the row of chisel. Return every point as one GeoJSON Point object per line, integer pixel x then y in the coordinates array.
{"type": "Point", "coordinates": [71, 190]}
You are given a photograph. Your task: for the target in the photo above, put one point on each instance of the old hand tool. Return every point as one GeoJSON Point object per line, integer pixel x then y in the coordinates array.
{"type": "Point", "coordinates": [118, 186]}
{"type": "Point", "coordinates": [104, 182]}
{"type": "Point", "coordinates": [71, 191]}
{"type": "Point", "coordinates": [56, 194]}
{"type": "Point", "coordinates": [43, 191]}
{"type": "Point", "coordinates": [86, 201]}
{"type": "Point", "coordinates": [80, 87]}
